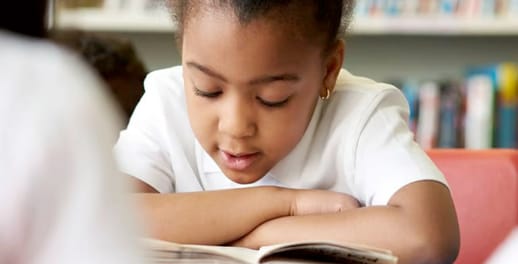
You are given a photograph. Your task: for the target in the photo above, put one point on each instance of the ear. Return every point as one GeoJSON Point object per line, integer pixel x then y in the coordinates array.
{"type": "Point", "coordinates": [332, 64]}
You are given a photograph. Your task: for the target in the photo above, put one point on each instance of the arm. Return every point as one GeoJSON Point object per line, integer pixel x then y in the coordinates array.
{"type": "Point", "coordinates": [214, 217]}
{"type": "Point", "coordinates": [219, 217]}
{"type": "Point", "coordinates": [419, 225]}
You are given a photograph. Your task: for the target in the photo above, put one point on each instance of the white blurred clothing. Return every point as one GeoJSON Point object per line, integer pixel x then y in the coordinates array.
{"type": "Point", "coordinates": [507, 252]}
{"type": "Point", "coordinates": [61, 199]}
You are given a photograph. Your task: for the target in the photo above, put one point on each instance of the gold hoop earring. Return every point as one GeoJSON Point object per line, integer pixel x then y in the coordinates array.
{"type": "Point", "coordinates": [328, 94]}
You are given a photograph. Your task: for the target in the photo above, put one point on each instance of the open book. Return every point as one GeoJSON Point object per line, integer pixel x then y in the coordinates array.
{"type": "Point", "coordinates": [301, 252]}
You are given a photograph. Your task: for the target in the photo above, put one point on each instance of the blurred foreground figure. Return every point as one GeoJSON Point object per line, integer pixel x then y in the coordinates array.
{"type": "Point", "coordinates": [507, 251]}
{"type": "Point", "coordinates": [61, 199]}
{"type": "Point", "coordinates": [115, 60]}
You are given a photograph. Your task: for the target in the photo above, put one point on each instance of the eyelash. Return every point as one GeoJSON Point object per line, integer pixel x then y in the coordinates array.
{"type": "Point", "coordinates": [273, 104]}
{"type": "Point", "coordinates": [201, 93]}
{"type": "Point", "coordinates": [213, 95]}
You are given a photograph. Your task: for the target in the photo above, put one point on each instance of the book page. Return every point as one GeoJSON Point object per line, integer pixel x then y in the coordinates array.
{"type": "Point", "coordinates": [324, 252]}
{"type": "Point", "coordinates": [168, 252]}
{"type": "Point", "coordinates": [300, 252]}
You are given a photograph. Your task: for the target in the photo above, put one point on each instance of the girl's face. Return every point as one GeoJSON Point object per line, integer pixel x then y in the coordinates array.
{"type": "Point", "coordinates": [250, 90]}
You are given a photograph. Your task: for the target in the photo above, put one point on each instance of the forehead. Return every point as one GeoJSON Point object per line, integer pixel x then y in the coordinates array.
{"type": "Point", "coordinates": [291, 19]}
{"type": "Point", "coordinates": [219, 40]}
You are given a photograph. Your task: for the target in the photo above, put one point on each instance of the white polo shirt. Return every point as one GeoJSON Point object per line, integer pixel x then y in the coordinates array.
{"type": "Point", "coordinates": [357, 142]}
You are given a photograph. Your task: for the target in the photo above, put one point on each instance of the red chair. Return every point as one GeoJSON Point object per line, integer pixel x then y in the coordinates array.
{"type": "Point", "coordinates": [484, 186]}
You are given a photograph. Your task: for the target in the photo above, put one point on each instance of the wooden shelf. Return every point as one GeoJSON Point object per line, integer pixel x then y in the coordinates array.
{"type": "Point", "coordinates": [160, 21]}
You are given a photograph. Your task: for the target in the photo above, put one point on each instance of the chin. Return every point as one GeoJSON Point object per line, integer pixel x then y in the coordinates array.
{"type": "Point", "coordinates": [242, 178]}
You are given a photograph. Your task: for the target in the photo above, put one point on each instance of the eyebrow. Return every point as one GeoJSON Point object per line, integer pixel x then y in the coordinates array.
{"type": "Point", "coordinates": [207, 71]}
{"type": "Point", "coordinates": [289, 77]}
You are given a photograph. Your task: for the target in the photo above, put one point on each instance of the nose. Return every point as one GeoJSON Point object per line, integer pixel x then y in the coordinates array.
{"type": "Point", "coordinates": [237, 119]}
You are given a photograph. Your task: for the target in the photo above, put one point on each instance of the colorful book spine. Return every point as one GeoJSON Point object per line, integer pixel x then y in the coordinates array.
{"type": "Point", "coordinates": [508, 106]}
{"type": "Point", "coordinates": [428, 124]}
{"type": "Point", "coordinates": [411, 91]}
{"type": "Point", "coordinates": [479, 110]}
{"type": "Point", "coordinates": [512, 8]}
{"type": "Point", "coordinates": [430, 8]}
{"type": "Point", "coordinates": [450, 113]}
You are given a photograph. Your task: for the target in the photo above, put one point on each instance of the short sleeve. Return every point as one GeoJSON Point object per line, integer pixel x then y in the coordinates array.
{"type": "Point", "coordinates": [387, 158]}
{"type": "Point", "coordinates": [140, 150]}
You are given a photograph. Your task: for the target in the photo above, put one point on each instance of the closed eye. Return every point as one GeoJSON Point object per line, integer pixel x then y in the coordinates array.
{"type": "Point", "coordinates": [201, 93]}
{"type": "Point", "coordinates": [273, 104]}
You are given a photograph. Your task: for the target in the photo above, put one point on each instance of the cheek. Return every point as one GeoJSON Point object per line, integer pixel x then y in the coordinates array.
{"type": "Point", "coordinates": [201, 117]}
{"type": "Point", "coordinates": [283, 131]}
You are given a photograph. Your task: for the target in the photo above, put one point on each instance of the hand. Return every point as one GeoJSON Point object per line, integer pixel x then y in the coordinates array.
{"type": "Point", "coordinates": [303, 202]}
{"type": "Point", "coordinates": [306, 202]}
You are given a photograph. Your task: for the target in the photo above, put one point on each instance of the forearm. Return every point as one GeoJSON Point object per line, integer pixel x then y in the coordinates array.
{"type": "Point", "coordinates": [416, 231]}
{"type": "Point", "coordinates": [381, 227]}
{"type": "Point", "coordinates": [212, 217]}
{"type": "Point", "coordinates": [374, 226]}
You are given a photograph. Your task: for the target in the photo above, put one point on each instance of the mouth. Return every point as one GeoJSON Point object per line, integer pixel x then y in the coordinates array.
{"type": "Point", "coordinates": [238, 161]}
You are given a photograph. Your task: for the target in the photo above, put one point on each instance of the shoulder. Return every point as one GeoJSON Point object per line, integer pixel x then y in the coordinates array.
{"type": "Point", "coordinates": [363, 94]}
{"type": "Point", "coordinates": [356, 99]}
{"type": "Point", "coordinates": [165, 80]}
{"type": "Point", "coordinates": [164, 89]}
{"type": "Point", "coordinates": [53, 103]}
{"type": "Point", "coordinates": [357, 104]}
{"type": "Point", "coordinates": [35, 56]}
{"type": "Point", "coordinates": [44, 84]}
{"type": "Point", "coordinates": [44, 70]}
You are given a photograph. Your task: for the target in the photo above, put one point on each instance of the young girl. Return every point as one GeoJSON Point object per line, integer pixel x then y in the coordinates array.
{"type": "Point", "coordinates": [260, 138]}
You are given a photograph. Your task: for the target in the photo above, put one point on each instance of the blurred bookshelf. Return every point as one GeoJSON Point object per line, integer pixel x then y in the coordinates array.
{"type": "Point", "coordinates": [477, 111]}
{"type": "Point", "coordinates": [94, 19]}
{"type": "Point", "coordinates": [372, 17]}
{"type": "Point", "coordinates": [157, 21]}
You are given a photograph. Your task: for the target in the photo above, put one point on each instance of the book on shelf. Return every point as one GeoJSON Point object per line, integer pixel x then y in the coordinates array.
{"type": "Point", "coordinates": [428, 125]}
{"type": "Point", "coordinates": [480, 98]}
{"type": "Point", "coordinates": [300, 252]}
{"type": "Point", "coordinates": [450, 115]}
{"type": "Point", "coordinates": [431, 8]}
{"type": "Point", "coordinates": [497, 108]}
{"type": "Point", "coordinates": [479, 111]}
{"type": "Point", "coordinates": [410, 89]}
{"type": "Point", "coordinates": [507, 102]}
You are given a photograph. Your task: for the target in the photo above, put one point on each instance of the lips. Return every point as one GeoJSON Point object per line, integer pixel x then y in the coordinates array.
{"type": "Point", "coordinates": [238, 162]}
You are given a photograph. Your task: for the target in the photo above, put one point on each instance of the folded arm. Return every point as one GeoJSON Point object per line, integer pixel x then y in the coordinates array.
{"type": "Point", "coordinates": [220, 217]}
{"type": "Point", "coordinates": [419, 225]}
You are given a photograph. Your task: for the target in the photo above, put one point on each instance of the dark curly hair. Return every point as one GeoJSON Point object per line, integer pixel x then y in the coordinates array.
{"type": "Point", "coordinates": [329, 19]}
